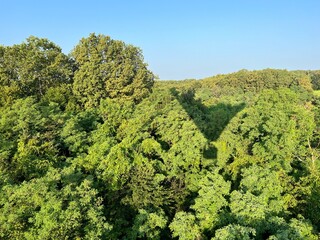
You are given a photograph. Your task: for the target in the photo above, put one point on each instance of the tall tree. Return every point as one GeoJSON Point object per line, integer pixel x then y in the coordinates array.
{"type": "Point", "coordinates": [109, 68]}
{"type": "Point", "coordinates": [32, 67]}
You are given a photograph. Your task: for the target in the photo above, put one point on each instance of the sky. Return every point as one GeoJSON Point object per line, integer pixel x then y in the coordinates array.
{"type": "Point", "coordinates": [180, 39]}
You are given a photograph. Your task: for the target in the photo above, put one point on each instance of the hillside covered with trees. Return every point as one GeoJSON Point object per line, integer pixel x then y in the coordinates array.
{"type": "Point", "coordinates": [93, 147]}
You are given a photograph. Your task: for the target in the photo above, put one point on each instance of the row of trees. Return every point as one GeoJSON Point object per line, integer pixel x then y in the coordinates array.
{"type": "Point", "coordinates": [98, 67]}
{"type": "Point", "coordinates": [90, 149]}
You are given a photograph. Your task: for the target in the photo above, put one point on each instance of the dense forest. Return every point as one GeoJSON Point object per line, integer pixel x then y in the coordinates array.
{"type": "Point", "coordinates": [93, 147]}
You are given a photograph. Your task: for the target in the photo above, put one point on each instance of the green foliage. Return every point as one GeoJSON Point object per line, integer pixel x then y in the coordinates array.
{"type": "Point", "coordinates": [211, 200]}
{"type": "Point", "coordinates": [255, 81]}
{"type": "Point", "coordinates": [316, 93]}
{"type": "Point", "coordinates": [29, 139]}
{"type": "Point", "coordinates": [230, 157]}
{"type": "Point", "coordinates": [275, 130]}
{"type": "Point", "coordinates": [184, 226]}
{"type": "Point", "coordinates": [31, 68]}
{"type": "Point", "coordinates": [109, 68]}
{"type": "Point", "coordinates": [148, 225]}
{"type": "Point", "coordinates": [62, 95]}
{"type": "Point", "coordinates": [248, 208]}
{"type": "Point", "coordinates": [38, 209]}
{"type": "Point", "coordinates": [295, 229]}
{"type": "Point", "coordinates": [146, 186]}
{"type": "Point", "coordinates": [310, 206]}
{"type": "Point", "coordinates": [315, 79]}
{"type": "Point", "coordinates": [75, 133]}
{"type": "Point", "coordinates": [235, 232]}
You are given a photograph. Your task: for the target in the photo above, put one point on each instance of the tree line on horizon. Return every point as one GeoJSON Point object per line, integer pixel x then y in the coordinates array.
{"type": "Point", "coordinates": [93, 147]}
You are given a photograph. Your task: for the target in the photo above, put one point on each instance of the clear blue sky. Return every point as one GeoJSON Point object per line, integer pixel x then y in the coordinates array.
{"type": "Point", "coordinates": [180, 38]}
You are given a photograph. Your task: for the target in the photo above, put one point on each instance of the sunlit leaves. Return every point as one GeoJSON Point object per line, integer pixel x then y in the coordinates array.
{"type": "Point", "coordinates": [211, 200]}
{"type": "Point", "coordinates": [29, 138]}
{"type": "Point", "coordinates": [109, 68]}
{"type": "Point", "coordinates": [39, 210]}
{"type": "Point", "coordinates": [235, 232]}
{"type": "Point", "coordinates": [32, 67]}
{"type": "Point", "coordinates": [148, 224]}
{"type": "Point", "coordinates": [221, 158]}
{"type": "Point", "coordinates": [274, 131]}
{"type": "Point", "coordinates": [184, 226]}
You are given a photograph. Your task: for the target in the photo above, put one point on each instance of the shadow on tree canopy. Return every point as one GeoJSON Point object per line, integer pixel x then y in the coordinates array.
{"type": "Point", "coordinates": [210, 120]}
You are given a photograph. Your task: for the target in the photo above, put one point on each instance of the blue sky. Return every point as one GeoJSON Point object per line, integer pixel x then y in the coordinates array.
{"type": "Point", "coordinates": [180, 38]}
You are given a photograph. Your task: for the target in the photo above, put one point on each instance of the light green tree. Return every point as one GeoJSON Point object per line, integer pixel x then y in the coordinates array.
{"type": "Point", "coordinates": [184, 226]}
{"type": "Point", "coordinates": [148, 225]}
{"type": "Point", "coordinates": [30, 68]}
{"type": "Point", "coordinates": [60, 205]}
{"type": "Point", "coordinates": [29, 139]}
{"type": "Point", "coordinates": [212, 198]}
{"type": "Point", "coordinates": [235, 232]}
{"type": "Point", "coordinates": [109, 68]}
{"type": "Point", "coordinates": [274, 130]}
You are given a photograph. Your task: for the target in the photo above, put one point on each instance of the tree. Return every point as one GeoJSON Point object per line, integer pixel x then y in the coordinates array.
{"type": "Point", "coordinates": [29, 142]}
{"type": "Point", "coordinates": [235, 232]}
{"type": "Point", "coordinates": [76, 131]}
{"type": "Point", "coordinates": [109, 68]}
{"type": "Point", "coordinates": [185, 227]}
{"type": "Point", "coordinates": [315, 79]}
{"type": "Point", "coordinates": [245, 81]}
{"type": "Point", "coordinates": [148, 225]}
{"type": "Point", "coordinates": [274, 130]}
{"type": "Point", "coordinates": [59, 205]}
{"type": "Point", "coordinates": [211, 200]}
{"type": "Point", "coordinates": [32, 67]}
{"type": "Point", "coordinates": [297, 228]}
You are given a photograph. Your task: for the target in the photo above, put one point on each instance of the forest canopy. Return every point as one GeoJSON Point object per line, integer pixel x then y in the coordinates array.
{"type": "Point", "coordinates": [92, 147]}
